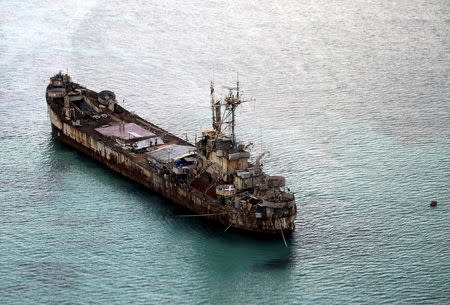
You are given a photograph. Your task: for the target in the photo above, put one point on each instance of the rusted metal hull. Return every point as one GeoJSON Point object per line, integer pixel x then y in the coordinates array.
{"type": "Point", "coordinates": [161, 184]}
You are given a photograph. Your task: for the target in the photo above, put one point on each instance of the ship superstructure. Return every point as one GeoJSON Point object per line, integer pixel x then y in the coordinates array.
{"type": "Point", "coordinates": [213, 178]}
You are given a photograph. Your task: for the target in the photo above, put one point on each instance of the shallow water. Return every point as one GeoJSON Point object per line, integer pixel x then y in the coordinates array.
{"type": "Point", "coordinates": [352, 100]}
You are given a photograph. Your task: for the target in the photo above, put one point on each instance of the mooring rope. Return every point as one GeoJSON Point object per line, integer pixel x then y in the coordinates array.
{"type": "Point", "coordinates": [284, 239]}
{"type": "Point", "coordinates": [228, 227]}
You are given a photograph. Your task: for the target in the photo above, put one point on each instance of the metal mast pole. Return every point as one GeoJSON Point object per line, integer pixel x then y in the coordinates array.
{"type": "Point", "coordinates": [233, 107]}
{"type": "Point", "coordinates": [233, 138]}
{"type": "Point", "coordinates": [212, 105]}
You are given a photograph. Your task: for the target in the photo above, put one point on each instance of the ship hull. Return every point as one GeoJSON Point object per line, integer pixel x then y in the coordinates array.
{"type": "Point", "coordinates": [183, 196]}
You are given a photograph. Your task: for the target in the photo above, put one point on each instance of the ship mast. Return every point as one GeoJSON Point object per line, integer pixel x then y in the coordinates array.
{"type": "Point", "coordinates": [215, 107]}
{"type": "Point", "coordinates": [233, 123]}
{"type": "Point", "coordinates": [229, 103]}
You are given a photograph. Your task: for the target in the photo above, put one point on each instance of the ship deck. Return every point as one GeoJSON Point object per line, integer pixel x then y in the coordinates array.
{"type": "Point", "coordinates": [90, 122]}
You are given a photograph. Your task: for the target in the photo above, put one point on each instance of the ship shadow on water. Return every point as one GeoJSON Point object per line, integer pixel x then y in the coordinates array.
{"type": "Point", "coordinates": [278, 256]}
{"type": "Point", "coordinates": [273, 264]}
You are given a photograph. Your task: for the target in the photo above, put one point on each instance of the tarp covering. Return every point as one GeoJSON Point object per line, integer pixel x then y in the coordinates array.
{"type": "Point", "coordinates": [129, 131]}
{"type": "Point", "coordinates": [170, 153]}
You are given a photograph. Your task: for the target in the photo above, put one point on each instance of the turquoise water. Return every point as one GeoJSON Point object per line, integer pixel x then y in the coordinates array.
{"type": "Point", "coordinates": [352, 100]}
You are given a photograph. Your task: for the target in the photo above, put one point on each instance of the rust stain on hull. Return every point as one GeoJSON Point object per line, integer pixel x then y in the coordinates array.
{"type": "Point", "coordinates": [196, 195]}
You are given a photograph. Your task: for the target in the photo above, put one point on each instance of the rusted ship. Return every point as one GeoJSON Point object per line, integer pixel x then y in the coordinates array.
{"type": "Point", "coordinates": [214, 177]}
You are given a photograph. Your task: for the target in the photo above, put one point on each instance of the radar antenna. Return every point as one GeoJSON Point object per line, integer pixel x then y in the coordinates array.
{"type": "Point", "coordinates": [229, 103]}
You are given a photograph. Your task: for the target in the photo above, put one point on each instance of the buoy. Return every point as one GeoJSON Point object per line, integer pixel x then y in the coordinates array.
{"type": "Point", "coordinates": [433, 203]}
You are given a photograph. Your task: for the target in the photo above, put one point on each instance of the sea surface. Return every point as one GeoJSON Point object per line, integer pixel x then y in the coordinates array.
{"type": "Point", "coordinates": [351, 98]}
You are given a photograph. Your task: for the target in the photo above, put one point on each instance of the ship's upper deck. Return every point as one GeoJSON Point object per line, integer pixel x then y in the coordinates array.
{"type": "Point", "coordinates": [217, 167]}
{"type": "Point", "coordinates": [114, 126]}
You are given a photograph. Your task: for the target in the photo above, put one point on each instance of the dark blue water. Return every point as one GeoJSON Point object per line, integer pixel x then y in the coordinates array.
{"type": "Point", "coordinates": [352, 100]}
